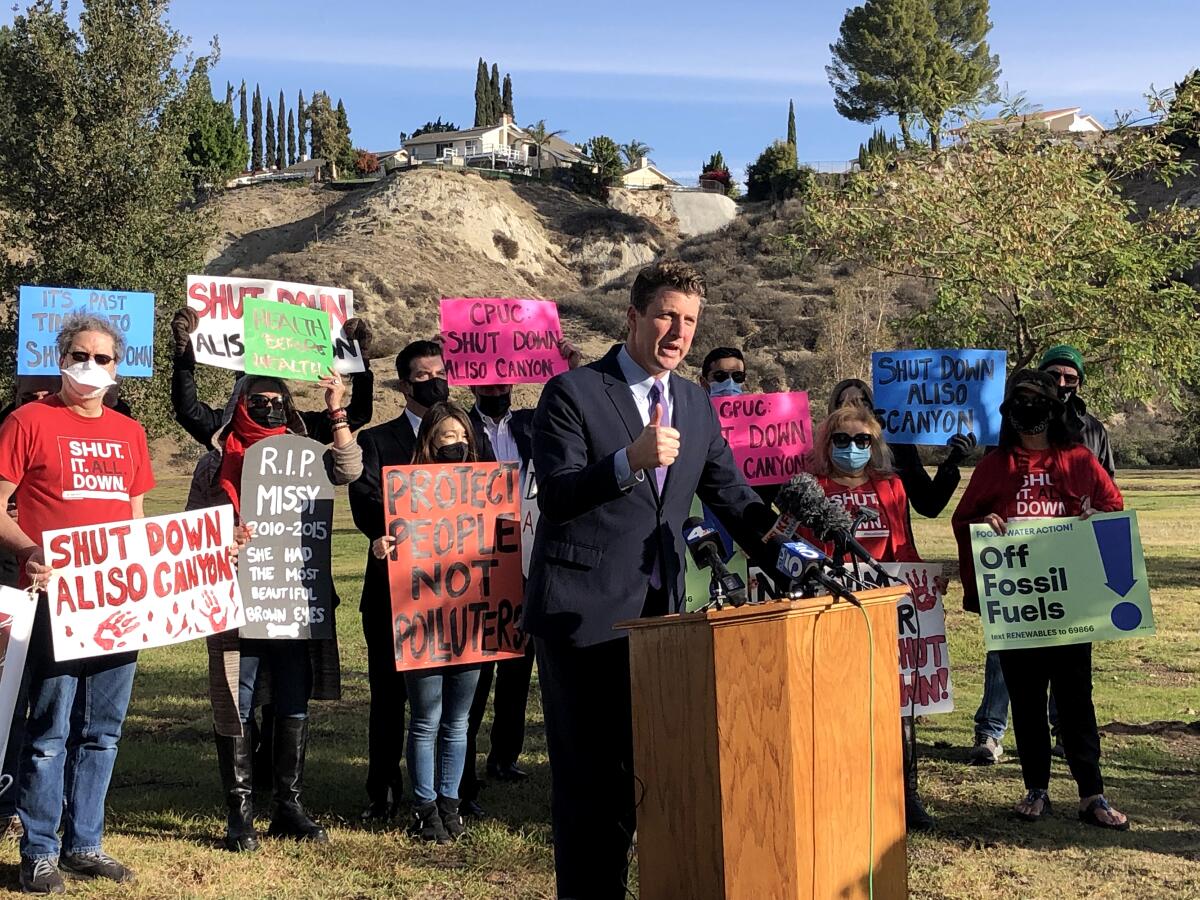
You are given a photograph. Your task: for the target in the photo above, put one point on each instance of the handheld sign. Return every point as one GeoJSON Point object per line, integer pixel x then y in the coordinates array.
{"type": "Point", "coordinates": [219, 302]}
{"type": "Point", "coordinates": [17, 611]}
{"type": "Point", "coordinates": [501, 341]}
{"type": "Point", "coordinates": [287, 576]}
{"type": "Point", "coordinates": [530, 514]}
{"type": "Point", "coordinates": [928, 396]}
{"type": "Point", "coordinates": [39, 320]}
{"type": "Point", "coordinates": [141, 583]}
{"type": "Point", "coordinates": [768, 433]}
{"type": "Point", "coordinates": [286, 341]}
{"type": "Point", "coordinates": [1048, 582]}
{"type": "Point", "coordinates": [455, 570]}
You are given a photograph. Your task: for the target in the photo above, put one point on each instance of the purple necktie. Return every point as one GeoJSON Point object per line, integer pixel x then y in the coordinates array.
{"type": "Point", "coordinates": [660, 472]}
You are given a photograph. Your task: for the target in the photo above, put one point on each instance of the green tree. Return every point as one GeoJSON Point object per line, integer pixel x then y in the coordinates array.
{"type": "Point", "coordinates": [483, 113]}
{"type": "Point", "coordinates": [346, 152]}
{"type": "Point", "coordinates": [634, 152]}
{"type": "Point", "coordinates": [437, 127]}
{"type": "Point", "coordinates": [229, 96]}
{"type": "Point", "coordinates": [301, 127]}
{"type": "Point", "coordinates": [1028, 242]}
{"type": "Point", "coordinates": [791, 129]}
{"type": "Point", "coordinates": [1182, 118]}
{"type": "Point", "coordinates": [878, 146]}
{"type": "Point", "coordinates": [291, 138]}
{"type": "Point", "coordinates": [768, 177]}
{"type": "Point", "coordinates": [606, 155]}
{"type": "Point", "coordinates": [330, 142]}
{"type": "Point", "coordinates": [215, 151]}
{"type": "Point", "coordinates": [256, 132]}
{"type": "Point", "coordinates": [540, 136]}
{"type": "Point", "coordinates": [914, 59]}
{"type": "Point", "coordinates": [270, 157]}
{"type": "Point", "coordinates": [94, 182]}
{"type": "Point", "coordinates": [495, 101]}
{"type": "Point", "coordinates": [280, 135]}
{"type": "Point", "coordinates": [507, 97]}
{"type": "Point", "coordinates": [244, 120]}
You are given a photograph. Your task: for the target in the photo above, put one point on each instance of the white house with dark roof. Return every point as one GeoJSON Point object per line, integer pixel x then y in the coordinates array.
{"type": "Point", "coordinates": [502, 146]}
{"type": "Point", "coordinates": [1058, 121]}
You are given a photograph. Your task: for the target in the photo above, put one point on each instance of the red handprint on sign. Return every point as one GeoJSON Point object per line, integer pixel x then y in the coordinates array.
{"type": "Point", "coordinates": [210, 607]}
{"type": "Point", "coordinates": [924, 595]}
{"type": "Point", "coordinates": [110, 632]}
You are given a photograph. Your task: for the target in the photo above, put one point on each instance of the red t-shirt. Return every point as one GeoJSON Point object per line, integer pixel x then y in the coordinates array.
{"type": "Point", "coordinates": [887, 540]}
{"type": "Point", "coordinates": [1039, 492]}
{"type": "Point", "coordinates": [71, 470]}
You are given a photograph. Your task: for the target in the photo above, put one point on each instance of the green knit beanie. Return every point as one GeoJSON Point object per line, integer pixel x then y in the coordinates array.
{"type": "Point", "coordinates": [1064, 353]}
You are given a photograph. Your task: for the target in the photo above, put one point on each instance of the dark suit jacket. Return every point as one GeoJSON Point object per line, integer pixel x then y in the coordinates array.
{"type": "Point", "coordinates": [596, 545]}
{"type": "Point", "coordinates": [521, 426]}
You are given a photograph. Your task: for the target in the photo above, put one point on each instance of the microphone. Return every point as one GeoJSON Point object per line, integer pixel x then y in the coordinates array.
{"type": "Point", "coordinates": [706, 550]}
{"type": "Point", "coordinates": [798, 501]}
{"type": "Point", "coordinates": [865, 514]}
{"type": "Point", "coordinates": [803, 564]}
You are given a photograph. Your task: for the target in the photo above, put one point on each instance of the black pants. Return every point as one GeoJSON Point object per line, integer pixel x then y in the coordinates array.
{"type": "Point", "coordinates": [385, 729]}
{"type": "Point", "coordinates": [1067, 670]}
{"type": "Point", "coordinates": [508, 722]}
{"type": "Point", "coordinates": [589, 733]}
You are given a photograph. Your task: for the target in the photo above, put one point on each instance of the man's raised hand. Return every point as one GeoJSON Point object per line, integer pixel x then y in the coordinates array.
{"type": "Point", "coordinates": [657, 445]}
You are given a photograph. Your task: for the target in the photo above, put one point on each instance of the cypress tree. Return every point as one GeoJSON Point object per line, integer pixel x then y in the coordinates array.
{"type": "Point", "coordinates": [280, 149]}
{"type": "Point", "coordinates": [495, 103]}
{"type": "Point", "coordinates": [507, 97]}
{"type": "Point", "coordinates": [791, 132]}
{"type": "Point", "coordinates": [244, 120]}
{"type": "Point", "coordinates": [270, 159]}
{"type": "Point", "coordinates": [301, 126]}
{"type": "Point", "coordinates": [291, 139]}
{"type": "Point", "coordinates": [256, 129]}
{"type": "Point", "coordinates": [229, 96]}
{"type": "Point", "coordinates": [481, 94]}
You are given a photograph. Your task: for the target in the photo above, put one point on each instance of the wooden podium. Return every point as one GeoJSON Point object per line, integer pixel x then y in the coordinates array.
{"type": "Point", "coordinates": [752, 749]}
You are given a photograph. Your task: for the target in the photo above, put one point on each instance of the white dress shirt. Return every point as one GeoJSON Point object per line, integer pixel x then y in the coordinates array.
{"type": "Point", "coordinates": [640, 382]}
{"type": "Point", "coordinates": [501, 436]}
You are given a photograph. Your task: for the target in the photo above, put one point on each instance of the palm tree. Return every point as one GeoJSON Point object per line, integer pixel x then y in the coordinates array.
{"type": "Point", "coordinates": [541, 137]}
{"type": "Point", "coordinates": [634, 152]}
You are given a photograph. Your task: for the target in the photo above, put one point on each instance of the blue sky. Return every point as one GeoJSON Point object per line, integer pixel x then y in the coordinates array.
{"type": "Point", "coordinates": [687, 78]}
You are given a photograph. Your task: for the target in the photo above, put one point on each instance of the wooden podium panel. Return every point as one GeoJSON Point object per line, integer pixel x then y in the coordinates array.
{"type": "Point", "coordinates": [752, 748]}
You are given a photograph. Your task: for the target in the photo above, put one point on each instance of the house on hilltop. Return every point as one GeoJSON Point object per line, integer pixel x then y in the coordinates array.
{"type": "Point", "coordinates": [646, 175]}
{"type": "Point", "coordinates": [1057, 121]}
{"type": "Point", "coordinates": [503, 146]}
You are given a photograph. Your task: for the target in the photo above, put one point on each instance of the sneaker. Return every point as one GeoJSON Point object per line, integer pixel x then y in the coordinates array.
{"type": "Point", "coordinates": [40, 876]}
{"type": "Point", "coordinates": [94, 864]}
{"type": "Point", "coordinates": [12, 828]}
{"type": "Point", "coordinates": [986, 752]}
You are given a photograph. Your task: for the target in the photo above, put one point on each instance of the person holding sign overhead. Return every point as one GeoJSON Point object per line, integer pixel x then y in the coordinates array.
{"type": "Point", "coordinates": [71, 461]}
{"type": "Point", "coordinates": [244, 673]}
{"type": "Point", "coordinates": [1040, 470]}
{"type": "Point", "coordinates": [620, 447]}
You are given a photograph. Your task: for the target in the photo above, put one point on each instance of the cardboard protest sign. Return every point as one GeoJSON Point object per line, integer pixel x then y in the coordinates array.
{"type": "Point", "coordinates": [286, 569]}
{"type": "Point", "coordinates": [286, 341]}
{"type": "Point", "coordinates": [17, 610]}
{"type": "Point", "coordinates": [219, 302]}
{"type": "Point", "coordinates": [39, 320]}
{"type": "Point", "coordinates": [501, 341]}
{"type": "Point", "coordinates": [1048, 582]}
{"type": "Point", "coordinates": [768, 433]}
{"type": "Point", "coordinates": [928, 396]}
{"type": "Point", "coordinates": [530, 514]}
{"type": "Point", "coordinates": [141, 583]}
{"type": "Point", "coordinates": [455, 570]}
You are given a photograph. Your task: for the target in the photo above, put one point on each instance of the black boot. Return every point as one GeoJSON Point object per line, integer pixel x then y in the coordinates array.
{"type": "Point", "coordinates": [427, 824]}
{"type": "Point", "coordinates": [915, 816]}
{"type": "Point", "coordinates": [451, 820]}
{"type": "Point", "coordinates": [288, 818]}
{"type": "Point", "coordinates": [235, 760]}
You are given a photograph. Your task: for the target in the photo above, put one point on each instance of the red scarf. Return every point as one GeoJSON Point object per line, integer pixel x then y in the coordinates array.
{"type": "Point", "coordinates": [243, 433]}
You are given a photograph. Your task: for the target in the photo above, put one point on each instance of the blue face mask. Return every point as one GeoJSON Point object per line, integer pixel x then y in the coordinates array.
{"type": "Point", "coordinates": [726, 388]}
{"type": "Point", "coordinates": [851, 459]}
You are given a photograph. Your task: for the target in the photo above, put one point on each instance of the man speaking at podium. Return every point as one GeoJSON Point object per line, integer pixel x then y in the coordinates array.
{"type": "Point", "coordinates": [620, 447]}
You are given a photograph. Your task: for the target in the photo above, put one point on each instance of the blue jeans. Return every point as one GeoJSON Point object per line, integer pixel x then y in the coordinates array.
{"type": "Point", "coordinates": [991, 719]}
{"type": "Point", "coordinates": [291, 676]}
{"type": "Point", "coordinates": [440, 705]}
{"type": "Point", "coordinates": [76, 710]}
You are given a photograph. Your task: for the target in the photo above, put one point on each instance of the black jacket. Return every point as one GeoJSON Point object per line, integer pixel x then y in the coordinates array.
{"type": "Point", "coordinates": [928, 496]}
{"type": "Point", "coordinates": [521, 426]}
{"type": "Point", "coordinates": [1092, 434]}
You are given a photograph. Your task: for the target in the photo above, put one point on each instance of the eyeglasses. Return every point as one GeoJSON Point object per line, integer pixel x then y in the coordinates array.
{"type": "Point", "coordinates": [262, 401]}
{"type": "Point", "coordinates": [862, 441]}
{"type": "Point", "coordinates": [82, 356]}
{"type": "Point", "coordinates": [721, 375]}
{"type": "Point", "coordinates": [1068, 379]}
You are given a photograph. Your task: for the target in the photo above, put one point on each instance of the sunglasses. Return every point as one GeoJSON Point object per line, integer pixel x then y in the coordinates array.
{"type": "Point", "coordinates": [1069, 379]}
{"type": "Point", "coordinates": [722, 376]}
{"type": "Point", "coordinates": [82, 356]}
{"type": "Point", "coordinates": [262, 401]}
{"type": "Point", "coordinates": [862, 441]}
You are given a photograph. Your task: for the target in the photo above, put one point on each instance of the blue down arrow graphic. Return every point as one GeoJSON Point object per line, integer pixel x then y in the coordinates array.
{"type": "Point", "coordinates": [1115, 542]}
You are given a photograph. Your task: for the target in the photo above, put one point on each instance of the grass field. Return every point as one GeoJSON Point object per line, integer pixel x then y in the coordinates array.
{"type": "Point", "coordinates": [165, 816]}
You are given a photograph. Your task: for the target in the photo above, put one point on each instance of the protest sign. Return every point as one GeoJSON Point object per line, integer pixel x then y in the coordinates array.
{"type": "Point", "coordinates": [769, 434]}
{"type": "Point", "coordinates": [141, 583]}
{"type": "Point", "coordinates": [501, 341]}
{"type": "Point", "coordinates": [530, 514]}
{"type": "Point", "coordinates": [219, 303]}
{"type": "Point", "coordinates": [286, 569]}
{"type": "Point", "coordinates": [1048, 582]}
{"type": "Point", "coordinates": [455, 569]}
{"type": "Point", "coordinates": [928, 396]}
{"type": "Point", "coordinates": [286, 341]}
{"type": "Point", "coordinates": [39, 320]}
{"type": "Point", "coordinates": [17, 610]}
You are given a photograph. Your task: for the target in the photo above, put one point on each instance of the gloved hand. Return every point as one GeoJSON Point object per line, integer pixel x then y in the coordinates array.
{"type": "Point", "coordinates": [960, 445]}
{"type": "Point", "coordinates": [183, 323]}
{"type": "Point", "coordinates": [358, 330]}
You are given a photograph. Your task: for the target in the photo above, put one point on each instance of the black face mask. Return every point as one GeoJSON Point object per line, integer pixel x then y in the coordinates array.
{"type": "Point", "coordinates": [431, 391]}
{"type": "Point", "coordinates": [451, 453]}
{"type": "Point", "coordinates": [267, 416]}
{"type": "Point", "coordinates": [494, 406]}
{"type": "Point", "coordinates": [1066, 393]}
{"type": "Point", "coordinates": [1030, 418]}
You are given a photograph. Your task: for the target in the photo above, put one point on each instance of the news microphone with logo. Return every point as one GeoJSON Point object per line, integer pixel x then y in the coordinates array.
{"type": "Point", "coordinates": [706, 549]}
{"type": "Point", "coordinates": [806, 564]}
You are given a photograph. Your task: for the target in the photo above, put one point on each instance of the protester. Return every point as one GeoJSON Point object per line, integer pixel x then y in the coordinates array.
{"type": "Point", "coordinates": [723, 372]}
{"type": "Point", "coordinates": [42, 444]}
{"type": "Point", "coordinates": [609, 547]}
{"type": "Point", "coordinates": [421, 376]}
{"type": "Point", "coordinates": [853, 463]}
{"type": "Point", "coordinates": [1038, 447]}
{"type": "Point", "coordinates": [440, 698]}
{"type": "Point", "coordinates": [245, 673]}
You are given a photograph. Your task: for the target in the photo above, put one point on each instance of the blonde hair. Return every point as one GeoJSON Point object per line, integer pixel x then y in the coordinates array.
{"type": "Point", "coordinates": [850, 420]}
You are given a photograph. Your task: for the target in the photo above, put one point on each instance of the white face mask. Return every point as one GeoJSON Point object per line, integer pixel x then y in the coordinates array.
{"type": "Point", "coordinates": [88, 379]}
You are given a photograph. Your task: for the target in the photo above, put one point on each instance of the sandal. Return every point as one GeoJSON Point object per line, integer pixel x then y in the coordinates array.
{"type": "Point", "coordinates": [1032, 797]}
{"type": "Point", "coordinates": [1088, 815]}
